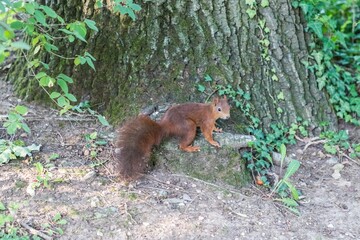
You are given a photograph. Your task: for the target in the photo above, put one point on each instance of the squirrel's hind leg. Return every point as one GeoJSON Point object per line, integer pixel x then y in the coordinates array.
{"type": "Point", "coordinates": [188, 135]}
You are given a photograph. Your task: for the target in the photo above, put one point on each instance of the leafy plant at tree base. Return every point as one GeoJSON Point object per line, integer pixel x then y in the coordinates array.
{"type": "Point", "coordinates": [337, 143]}
{"type": "Point", "coordinates": [289, 195]}
{"type": "Point", "coordinates": [259, 157]}
{"type": "Point", "coordinates": [335, 56]}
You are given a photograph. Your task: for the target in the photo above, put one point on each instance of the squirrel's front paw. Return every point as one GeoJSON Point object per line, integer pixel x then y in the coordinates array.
{"type": "Point", "coordinates": [215, 144]}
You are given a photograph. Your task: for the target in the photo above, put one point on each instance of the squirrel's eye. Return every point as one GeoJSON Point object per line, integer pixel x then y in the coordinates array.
{"type": "Point", "coordinates": [219, 109]}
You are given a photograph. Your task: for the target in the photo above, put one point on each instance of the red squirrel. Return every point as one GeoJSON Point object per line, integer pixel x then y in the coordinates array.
{"type": "Point", "coordinates": [138, 136]}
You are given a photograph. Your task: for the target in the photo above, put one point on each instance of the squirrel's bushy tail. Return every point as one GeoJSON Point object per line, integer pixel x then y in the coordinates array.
{"type": "Point", "coordinates": [135, 141]}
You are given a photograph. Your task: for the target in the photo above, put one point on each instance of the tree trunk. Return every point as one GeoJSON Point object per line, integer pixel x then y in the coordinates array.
{"type": "Point", "coordinates": [173, 45]}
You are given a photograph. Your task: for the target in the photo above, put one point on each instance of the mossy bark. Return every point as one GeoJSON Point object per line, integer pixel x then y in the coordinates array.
{"type": "Point", "coordinates": [172, 45]}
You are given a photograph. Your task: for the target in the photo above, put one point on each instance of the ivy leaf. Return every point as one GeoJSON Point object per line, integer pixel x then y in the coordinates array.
{"type": "Point", "coordinates": [250, 2]}
{"type": "Point", "coordinates": [280, 96]}
{"type": "Point", "coordinates": [201, 88]}
{"type": "Point", "coordinates": [264, 3]}
{"type": "Point", "coordinates": [317, 28]}
{"type": "Point", "coordinates": [251, 13]}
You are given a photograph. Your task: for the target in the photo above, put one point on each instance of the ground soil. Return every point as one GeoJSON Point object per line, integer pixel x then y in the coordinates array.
{"type": "Point", "coordinates": [164, 205]}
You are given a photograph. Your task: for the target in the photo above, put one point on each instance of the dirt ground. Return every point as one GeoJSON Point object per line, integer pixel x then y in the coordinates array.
{"type": "Point", "coordinates": [164, 205]}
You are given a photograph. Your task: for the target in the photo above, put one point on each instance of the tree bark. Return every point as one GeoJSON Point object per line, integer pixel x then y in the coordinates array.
{"type": "Point", "coordinates": [164, 54]}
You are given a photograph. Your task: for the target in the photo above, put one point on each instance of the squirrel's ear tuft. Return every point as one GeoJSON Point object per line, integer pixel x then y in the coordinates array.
{"type": "Point", "coordinates": [225, 98]}
{"type": "Point", "coordinates": [215, 100]}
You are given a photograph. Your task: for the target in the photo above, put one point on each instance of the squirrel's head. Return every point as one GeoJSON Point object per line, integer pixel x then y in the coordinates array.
{"type": "Point", "coordinates": [221, 107]}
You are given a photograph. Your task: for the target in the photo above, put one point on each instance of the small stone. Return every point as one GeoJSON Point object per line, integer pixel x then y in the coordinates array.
{"type": "Point", "coordinates": [321, 155]}
{"type": "Point", "coordinates": [187, 198]}
{"type": "Point", "coordinates": [332, 160]}
{"type": "Point", "coordinates": [330, 225]}
{"type": "Point", "coordinates": [89, 175]}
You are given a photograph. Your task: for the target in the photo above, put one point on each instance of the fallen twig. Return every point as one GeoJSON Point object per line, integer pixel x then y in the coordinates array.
{"type": "Point", "coordinates": [34, 231]}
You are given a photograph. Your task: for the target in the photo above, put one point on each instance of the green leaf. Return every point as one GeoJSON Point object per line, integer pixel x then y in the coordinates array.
{"type": "Point", "coordinates": [93, 135]}
{"type": "Point", "coordinates": [251, 13]}
{"type": "Point", "coordinates": [90, 63]}
{"type": "Point", "coordinates": [20, 45]}
{"type": "Point", "coordinates": [280, 96]}
{"type": "Point", "coordinates": [46, 81]}
{"type": "Point", "coordinates": [17, 25]}
{"type": "Point", "coordinates": [21, 109]}
{"type": "Point", "coordinates": [90, 56]}
{"type": "Point", "coordinates": [54, 156]}
{"type": "Point", "coordinates": [61, 222]}
{"type": "Point", "coordinates": [51, 13]}
{"type": "Point", "coordinates": [25, 127]}
{"type": "Point", "coordinates": [250, 2]}
{"type": "Point", "coordinates": [283, 151]}
{"type": "Point", "coordinates": [274, 77]}
{"type": "Point", "coordinates": [40, 75]}
{"type": "Point", "coordinates": [79, 30]}
{"type": "Point", "coordinates": [39, 168]}
{"type": "Point", "coordinates": [77, 61]}
{"type": "Point", "coordinates": [57, 217]}
{"type": "Point", "coordinates": [102, 120]}
{"type": "Point", "coordinates": [63, 85]}
{"type": "Point", "coordinates": [62, 101]}
{"type": "Point", "coordinates": [201, 88]}
{"type": "Point", "coordinates": [135, 7]}
{"type": "Point", "coordinates": [65, 31]}
{"type": "Point", "coordinates": [11, 128]}
{"type": "Point", "coordinates": [21, 151]}
{"type": "Point", "coordinates": [293, 190]}
{"type": "Point", "coordinates": [288, 202]}
{"type": "Point", "coordinates": [330, 149]}
{"type": "Point", "coordinates": [71, 97]}
{"type": "Point", "coordinates": [29, 8]}
{"type": "Point", "coordinates": [91, 24]}
{"type": "Point", "coordinates": [264, 3]}
{"type": "Point", "coordinates": [65, 78]}
{"type": "Point", "coordinates": [40, 17]}
{"type": "Point", "coordinates": [208, 78]}
{"type": "Point", "coordinates": [2, 207]}
{"type": "Point", "coordinates": [292, 168]}
{"type": "Point", "coordinates": [71, 38]}
{"type": "Point", "coordinates": [317, 28]}
{"type": "Point", "coordinates": [54, 95]}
